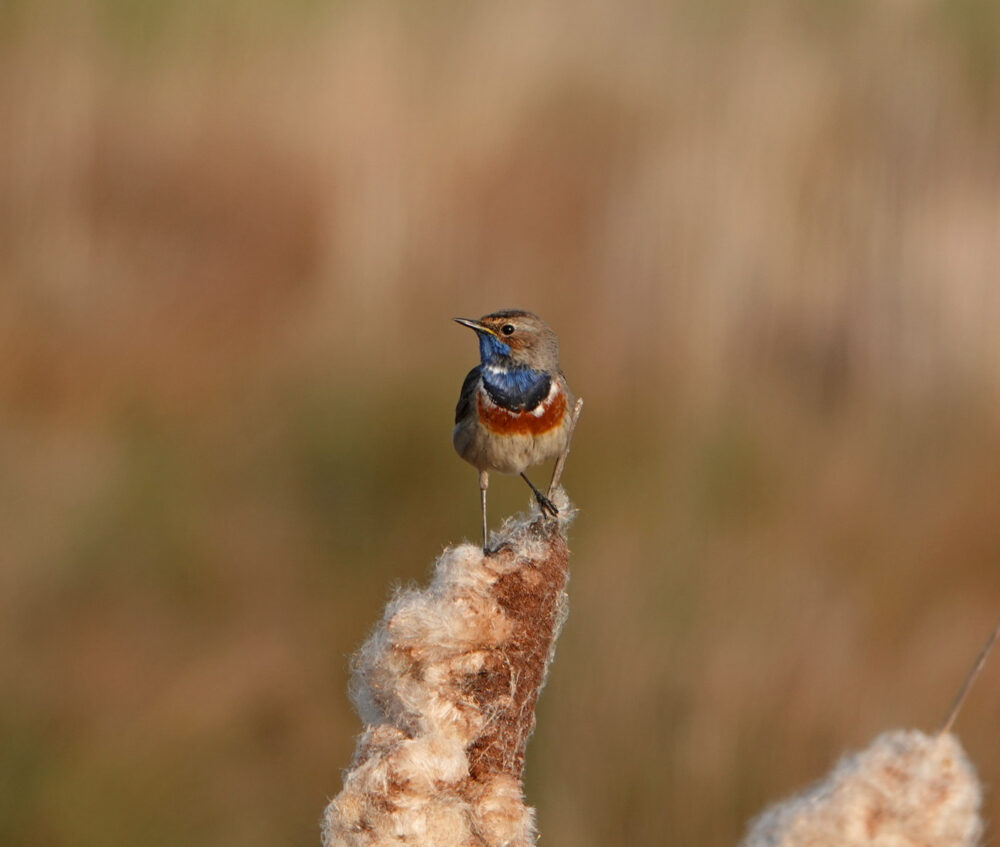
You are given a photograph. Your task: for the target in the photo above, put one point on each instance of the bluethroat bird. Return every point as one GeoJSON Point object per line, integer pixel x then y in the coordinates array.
{"type": "Point", "coordinates": [515, 408]}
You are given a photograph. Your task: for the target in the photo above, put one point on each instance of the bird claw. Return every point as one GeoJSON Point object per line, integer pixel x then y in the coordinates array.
{"type": "Point", "coordinates": [547, 506]}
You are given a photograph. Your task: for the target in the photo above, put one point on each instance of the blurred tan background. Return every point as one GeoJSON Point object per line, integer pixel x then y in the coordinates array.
{"type": "Point", "coordinates": [232, 239]}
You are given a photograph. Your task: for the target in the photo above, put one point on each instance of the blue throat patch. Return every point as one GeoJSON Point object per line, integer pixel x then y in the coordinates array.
{"type": "Point", "coordinates": [517, 389]}
{"type": "Point", "coordinates": [491, 347]}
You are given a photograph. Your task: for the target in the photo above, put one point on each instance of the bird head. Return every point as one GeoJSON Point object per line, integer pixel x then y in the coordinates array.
{"type": "Point", "coordinates": [513, 338]}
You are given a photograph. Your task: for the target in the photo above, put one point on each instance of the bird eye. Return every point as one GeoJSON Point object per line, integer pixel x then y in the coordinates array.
{"type": "Point", "coordinates": [507, 329]}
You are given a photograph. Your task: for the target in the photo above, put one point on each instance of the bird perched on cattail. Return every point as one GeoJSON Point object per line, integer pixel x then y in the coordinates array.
{"type": "Point", "coordinates": [515, 408]}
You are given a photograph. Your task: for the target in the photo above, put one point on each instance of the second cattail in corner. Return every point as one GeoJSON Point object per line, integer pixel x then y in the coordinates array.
{"type": "Point", "coordinates": [907, 789]}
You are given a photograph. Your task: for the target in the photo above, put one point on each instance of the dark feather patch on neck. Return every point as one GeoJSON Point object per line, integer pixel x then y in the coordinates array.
{"type": "Point", "coordinates": [516, 389]}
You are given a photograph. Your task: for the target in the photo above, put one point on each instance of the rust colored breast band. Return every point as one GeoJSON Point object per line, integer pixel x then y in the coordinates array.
{"type": "Point", "coordinates": [505, 422]}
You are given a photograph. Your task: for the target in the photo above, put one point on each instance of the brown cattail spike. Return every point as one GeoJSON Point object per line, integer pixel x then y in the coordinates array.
{"type": "Point", "coordinates": [446, 686]}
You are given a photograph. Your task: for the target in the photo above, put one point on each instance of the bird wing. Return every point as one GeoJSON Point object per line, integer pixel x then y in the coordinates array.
{"type": "Point", "coordinates": [466, 398]}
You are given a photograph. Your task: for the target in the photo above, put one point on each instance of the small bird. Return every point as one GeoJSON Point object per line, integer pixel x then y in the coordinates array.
{"type": "Point", "coordinates": [515, 407]}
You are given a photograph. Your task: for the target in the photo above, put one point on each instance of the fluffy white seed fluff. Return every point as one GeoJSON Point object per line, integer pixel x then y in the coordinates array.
{"type": "Point", "coordinates": [446, 686]}
{"type": "Point", "coordinates": [905, 790]}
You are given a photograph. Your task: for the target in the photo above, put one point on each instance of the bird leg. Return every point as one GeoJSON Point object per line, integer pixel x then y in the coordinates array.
{"type": "Point", "coordinates": [484, 483]}
{"type": "Point", "coordinates": [544, 503]}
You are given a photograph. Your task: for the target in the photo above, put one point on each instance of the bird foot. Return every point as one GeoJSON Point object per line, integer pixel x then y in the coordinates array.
{"type": "Point", "coordinates": [546, 505]}
{"type": "Point", "coordinates": [497, 548]}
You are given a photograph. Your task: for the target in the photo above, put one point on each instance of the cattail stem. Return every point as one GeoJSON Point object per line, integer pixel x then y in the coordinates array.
{"type": "Point", "coordinates": [963, 692]}
{"type": "Point", "coordinates": [561, 461]}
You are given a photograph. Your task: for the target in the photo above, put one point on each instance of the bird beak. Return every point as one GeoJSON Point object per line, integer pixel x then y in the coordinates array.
{"type": "Point", "coordinates": [476, 325]}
